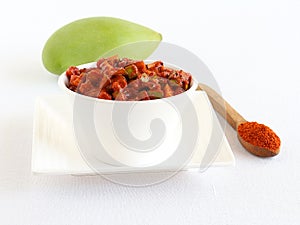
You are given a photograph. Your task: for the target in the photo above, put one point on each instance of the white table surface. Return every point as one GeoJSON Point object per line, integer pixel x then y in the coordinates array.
{"type": "Point", "coordinates": [253, 50]}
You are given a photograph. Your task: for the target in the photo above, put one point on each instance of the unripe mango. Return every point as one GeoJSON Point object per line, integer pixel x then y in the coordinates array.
{"type": "Point", "coordinates": [88, 39]}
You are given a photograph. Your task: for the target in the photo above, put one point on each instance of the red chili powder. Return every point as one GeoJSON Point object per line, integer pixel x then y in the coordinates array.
{"type": "Point", "coordinates": [259, 135]}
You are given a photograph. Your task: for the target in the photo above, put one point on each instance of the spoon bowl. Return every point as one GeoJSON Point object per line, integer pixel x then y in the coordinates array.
{"type": "Point", "coordinates": [255, 150]}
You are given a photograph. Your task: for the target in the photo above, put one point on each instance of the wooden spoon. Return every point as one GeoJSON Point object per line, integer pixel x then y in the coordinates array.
{"type": "Point", "coordinates": [235, 120]}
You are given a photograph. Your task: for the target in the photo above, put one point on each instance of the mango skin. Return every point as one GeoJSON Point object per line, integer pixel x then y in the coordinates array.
{"type": "Point", "coordinates": [86, 40]}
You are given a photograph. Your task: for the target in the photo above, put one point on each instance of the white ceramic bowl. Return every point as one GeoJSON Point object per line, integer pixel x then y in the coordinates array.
{"type": "Point", "coordinates": [140, 133]}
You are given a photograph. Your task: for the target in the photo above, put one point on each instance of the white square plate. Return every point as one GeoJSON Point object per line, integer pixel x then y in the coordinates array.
{"type": "Point", "coordinates": [54, 150]}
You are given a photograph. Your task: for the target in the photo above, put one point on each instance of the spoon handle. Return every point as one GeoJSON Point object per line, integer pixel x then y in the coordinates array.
{"type": "Point", "coordinates": [222, 106]}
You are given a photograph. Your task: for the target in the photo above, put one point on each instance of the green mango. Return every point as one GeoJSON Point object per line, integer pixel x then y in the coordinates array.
{"type": "Point", "coordinates": [86, 40]}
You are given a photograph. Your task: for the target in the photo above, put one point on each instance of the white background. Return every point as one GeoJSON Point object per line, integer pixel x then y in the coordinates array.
{"type": "Point", "coordinates": [253, 50]}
